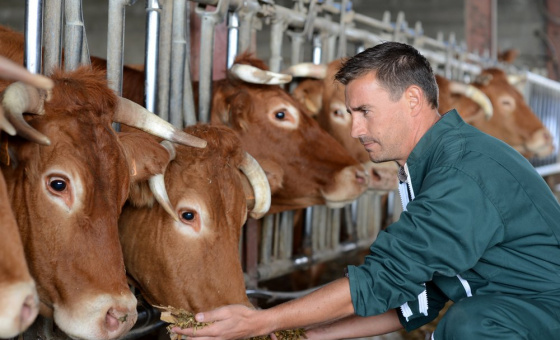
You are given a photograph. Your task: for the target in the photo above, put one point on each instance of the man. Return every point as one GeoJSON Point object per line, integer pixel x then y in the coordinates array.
{"type": "Point", "coordinates": [480, 227]}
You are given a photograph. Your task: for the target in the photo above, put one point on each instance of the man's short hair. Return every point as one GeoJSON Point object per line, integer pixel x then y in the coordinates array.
{"type": "Point", "coordinates": [397, 66]}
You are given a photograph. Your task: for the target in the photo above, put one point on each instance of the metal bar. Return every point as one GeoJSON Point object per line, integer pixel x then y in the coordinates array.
{"type": "Point", "coordinates": [277, 29]}
{"type": "Point", "coordinates": [115, 43]}
{"type": "Point", "coordinates": [33, 35]}
{"type": "Point", "coordinates": [73, 34]}
{"type": "Point", "coordinates": [178, 55]}
{"type": "Point", "coordinates": [164, 58]}
{"type": "Point", "coordinates": [153, 16]}
{"type": "Point", "coordinates": [209, 20]}
{"type": "Point", "coordinates": [52, 36]}
{"type": "Point", "coordinates": [233, 37]}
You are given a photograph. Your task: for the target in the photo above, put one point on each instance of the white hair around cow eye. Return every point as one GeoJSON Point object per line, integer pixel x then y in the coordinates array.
{"type": "Point", "coordinates": [285, 116]}
{"type": "Point", "coordinates": [190, 219]}
{"type": "Point", "coordinates": [339, 115]}
{"type": "Point", "coordinates": [59, 188]}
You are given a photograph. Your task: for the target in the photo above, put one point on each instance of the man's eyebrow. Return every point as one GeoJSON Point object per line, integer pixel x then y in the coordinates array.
{"type": "Point", "coordinates": [359, 108]}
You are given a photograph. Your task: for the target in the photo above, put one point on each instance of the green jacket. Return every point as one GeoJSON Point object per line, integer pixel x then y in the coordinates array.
{"type": "Point", "coordinates": [482, 221]}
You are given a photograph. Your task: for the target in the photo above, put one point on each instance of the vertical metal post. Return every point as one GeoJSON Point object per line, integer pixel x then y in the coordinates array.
{"type": "Point", "coordinates": [33, 35]}
{"type": "Point", "coordinates": [153, 12]}
{"type": "Point", "coordinates": [74, 42]}
{"type": "Point", "coordinates": [207, 30]}
{"type": "Point", "coordinates": [163, 46]}
{"type": "Point", "coordinates": [279, 25]}
{"type": "Point", "coordinates": [115, 43]}
{"type": "Point", "coordinates": [317, 48]}
{"type": "Point", "coordinates": [52, 34]}
{"type": "Point", "coordinates": [178, 55]}
{"type": "Point", "coordinates": [233, 37]}
{"type": "Point", "coordinates": [246, 29]}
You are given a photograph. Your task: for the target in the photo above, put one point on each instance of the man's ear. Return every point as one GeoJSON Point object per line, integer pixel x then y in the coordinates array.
{"type": "Point", "coordinates": [414, 97]}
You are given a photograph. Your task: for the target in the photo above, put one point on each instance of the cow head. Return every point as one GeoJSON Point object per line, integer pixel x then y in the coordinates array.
{"type": "Point", "coordinates": [67, 197]}
{"type": "Point", "coordinates": [324, 97]}
{"type": "Point", "coordinates": [306, 166]}
{"type": "Point", "coordinates": [19, 302]}
{"type": "Point", "coordinates": [190, 259]}
{"type": "Point", "coordinates": [513, 121]}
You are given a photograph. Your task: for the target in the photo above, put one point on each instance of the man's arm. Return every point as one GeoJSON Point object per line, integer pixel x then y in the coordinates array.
{"type": "Point", "coordinates": [356, 326]}
{"type": "Point", "coordinates": [331, 302]}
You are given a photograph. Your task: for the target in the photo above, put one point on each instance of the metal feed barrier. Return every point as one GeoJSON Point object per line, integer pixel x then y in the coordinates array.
{"type": "Point", "coordinates": [317, 31]}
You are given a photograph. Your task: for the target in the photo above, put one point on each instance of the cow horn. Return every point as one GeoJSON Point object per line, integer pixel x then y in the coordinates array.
{"type": "Point", "coordinates": [132, 114]}
{"type": "Point", "coordinates": [475, 94]}
{"type": "Point", "coordinates": [261, 189]}
{"type": "Point", "coordinates": [18, 98]}
{"type": "Point", "coordinates": [255, 75]}
{"type": "Point", "coordinates": [308, 70]}
{"type": "Point", "coordinates": [157, 184]}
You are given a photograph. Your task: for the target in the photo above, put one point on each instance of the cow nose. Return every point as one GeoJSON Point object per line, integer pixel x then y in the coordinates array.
{"type": "Point", "coordinates": [29, 311]}
{"type": "Point", "coordinates": [362, 177]}
{"type": "Point", "coordinates": [115, 319]}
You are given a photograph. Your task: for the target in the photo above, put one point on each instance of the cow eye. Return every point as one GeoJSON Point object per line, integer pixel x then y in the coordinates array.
{"type": "Point", "coordinates": [338, 112]}
{"type": "Point", "coordinates": [280, 115]}
{"type": "Point", "coordinates": [187, 215]}
{"type": "Point", "coordinates": [58, 184]}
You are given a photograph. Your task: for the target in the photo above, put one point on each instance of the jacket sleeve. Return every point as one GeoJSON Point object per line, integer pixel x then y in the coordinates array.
{"type": "Point", "coordinates": [445, 230]}
{"type": "Point", "coordinates": [436, 302]}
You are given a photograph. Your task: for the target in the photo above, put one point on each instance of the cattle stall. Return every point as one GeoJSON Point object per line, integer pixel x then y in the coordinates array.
{"type": "Point", "coordinates": [314, 31]}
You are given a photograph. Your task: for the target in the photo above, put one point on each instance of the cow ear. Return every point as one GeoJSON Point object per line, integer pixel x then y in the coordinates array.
{"type": "Point", "coordinates": [146, 158]}
{"type": "Point", "coordinates": [310, 93]}
{"type": "Point", "coordinates": [240, 108]}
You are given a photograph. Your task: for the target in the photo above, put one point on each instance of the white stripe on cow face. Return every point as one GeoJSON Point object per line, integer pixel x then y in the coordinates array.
{"type": "Point", "coordinates": [193, 216]}
{"type": "Point", "coordinates": [64, 189]}
{"type": "Point", "coordinates": [284, 116]}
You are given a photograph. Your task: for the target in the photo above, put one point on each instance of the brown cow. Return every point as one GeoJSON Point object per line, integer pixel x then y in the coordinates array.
{"type": "Point", "coordinates": [278, 132]}
{"type": "Point", "coordinates": [495, 107]}
{"type": "Point", "coordinates": [67, 195]}
{"type": "Point", "coordinates": [325, 100]}
{"type": "Point", "coordinates": [513, 120]}
{"type": "Point", "coordinates": [192, 262]}
{"type": "Point", "coordinates": [305, 166]}
{"type": "Point", "coordinates": [19, 302]}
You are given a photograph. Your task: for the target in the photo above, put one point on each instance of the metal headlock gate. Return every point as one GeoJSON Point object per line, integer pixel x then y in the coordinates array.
{"type": "Point", "coordinates": [318, 30]}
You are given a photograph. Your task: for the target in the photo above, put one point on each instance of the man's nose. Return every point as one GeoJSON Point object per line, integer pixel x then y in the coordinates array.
{"type": "Point", "coordinates": [357, 126]}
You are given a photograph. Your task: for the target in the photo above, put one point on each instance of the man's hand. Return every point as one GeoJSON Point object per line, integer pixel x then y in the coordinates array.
{"type": "Point", "coordinates": [227, 323]}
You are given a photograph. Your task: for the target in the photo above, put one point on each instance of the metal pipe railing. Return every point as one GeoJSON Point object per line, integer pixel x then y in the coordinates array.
{"type": "Point", "coordinates": [209, 20]}
{"type": "Point", "coordinates": [32, 55]}
{"type": "Point", "coordinates": [75, 42]}
{"type": "Point", "coordinates": [52, 36]}
{"type": "Point", "coordinates": [179, 56]}
{"type": "Point", "coordinates": [153, 17]}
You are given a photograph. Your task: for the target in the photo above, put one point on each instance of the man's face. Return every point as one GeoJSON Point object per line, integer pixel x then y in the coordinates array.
{"type": "Point", "coordinates": [381, 125]}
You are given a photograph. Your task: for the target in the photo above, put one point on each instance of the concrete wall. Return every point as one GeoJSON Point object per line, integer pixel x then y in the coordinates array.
{"type": "Point", "coordinates": [518, 20]}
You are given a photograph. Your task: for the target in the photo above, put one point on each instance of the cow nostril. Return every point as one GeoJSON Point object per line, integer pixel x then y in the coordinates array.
{"type": "Point", "coordinates": [374, 175]}
{"type": "Point", "coordinates": [361, 177]}
{"type": "Point", "coordinates": [112, 322]}
{"type": "Point", "coordinates": [28, 311]}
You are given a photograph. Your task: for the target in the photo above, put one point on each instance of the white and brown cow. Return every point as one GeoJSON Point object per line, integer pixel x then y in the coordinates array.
{"type": "Point", "coordinates": [305, 166]}
{"type": "Point", "coordinates": [491, 103]}
{"type": "Point", "coordinates": [19, 302]}
{"type": "Point", "coordinates": [67, 195]}
{"type": "Point", "coordinates": [188, 256]}
{"type": "Point", "coordinates": [324, 99]}
{"type": "Point", "coordinates": [513, 120]}
{"type": "Point", "coordinates": [278, 132]}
